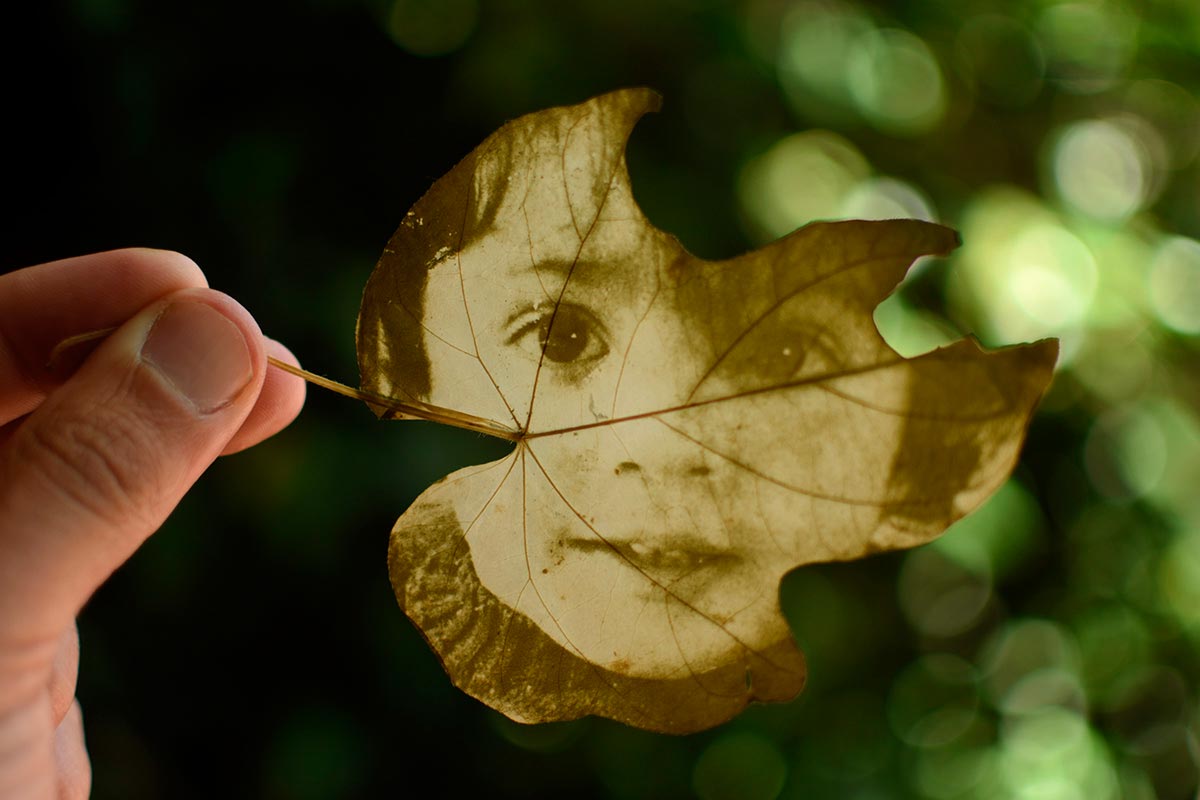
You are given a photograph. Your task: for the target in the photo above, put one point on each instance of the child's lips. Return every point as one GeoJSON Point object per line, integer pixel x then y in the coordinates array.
{"type": "Point", "coordinates": [662, 558]}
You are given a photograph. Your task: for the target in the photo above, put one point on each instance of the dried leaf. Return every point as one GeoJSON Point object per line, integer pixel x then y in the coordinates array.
{"type": "Point", "coordinates": [687, 431]}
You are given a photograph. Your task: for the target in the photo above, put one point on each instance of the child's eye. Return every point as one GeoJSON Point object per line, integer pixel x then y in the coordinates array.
{"type": "Point", "coordinates": [572, 337]}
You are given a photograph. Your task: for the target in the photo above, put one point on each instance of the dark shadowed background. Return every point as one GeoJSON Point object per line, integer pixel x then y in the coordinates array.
{"type": "Point", "coordinates": [1046, 648]}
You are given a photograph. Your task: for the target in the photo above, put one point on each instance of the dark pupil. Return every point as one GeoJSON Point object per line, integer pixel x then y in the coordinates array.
{"type": "Point", "coordinates": [568, 338]}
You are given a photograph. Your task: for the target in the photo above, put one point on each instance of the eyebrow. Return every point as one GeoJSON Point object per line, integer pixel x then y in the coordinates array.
{"type": "Point", "coordinates": [584, 271]}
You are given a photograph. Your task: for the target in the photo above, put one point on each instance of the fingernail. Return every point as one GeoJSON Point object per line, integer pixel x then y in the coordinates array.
{"type": "Point", "coordinates": [201, 353]}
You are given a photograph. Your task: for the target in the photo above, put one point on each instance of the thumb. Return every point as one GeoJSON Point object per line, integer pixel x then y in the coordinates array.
{"type": "Point", "coordinates": [103, 461]}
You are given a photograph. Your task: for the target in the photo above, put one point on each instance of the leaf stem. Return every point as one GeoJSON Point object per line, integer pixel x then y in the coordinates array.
{"type": "Point", "coordinates": [401, 409]}
{"type": "Point", "coordinates": [396, 409]}
{"type": "Point", "coordinates": [56, 355]}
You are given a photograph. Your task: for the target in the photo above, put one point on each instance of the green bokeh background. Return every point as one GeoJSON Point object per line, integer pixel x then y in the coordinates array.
{"type": "Point", "coordinates": [1045, 649]}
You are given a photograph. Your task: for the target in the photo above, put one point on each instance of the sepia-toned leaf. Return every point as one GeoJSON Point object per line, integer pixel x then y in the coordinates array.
{"type": "Point", "coordinates": [686, 431]}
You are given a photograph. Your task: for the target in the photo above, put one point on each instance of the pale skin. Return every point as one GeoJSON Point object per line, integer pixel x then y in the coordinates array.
{"type": "Point", "coordinates": [95, 455]}
{"type": "Point", "coordinates": [638, 548]}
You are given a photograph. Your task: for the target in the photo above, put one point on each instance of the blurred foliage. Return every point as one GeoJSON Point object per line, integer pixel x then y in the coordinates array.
{"type": "Point", "coordinates": [1047, 647]}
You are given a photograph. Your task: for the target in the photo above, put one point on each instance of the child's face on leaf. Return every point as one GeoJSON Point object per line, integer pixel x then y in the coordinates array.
{"type": "Point", "coordinates": [686, 431]}
{"type": "Point", "coordinates": [626, 539]}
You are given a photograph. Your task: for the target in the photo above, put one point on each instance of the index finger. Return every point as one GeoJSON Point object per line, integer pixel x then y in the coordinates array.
{"type": "Point", "coordinates": [42, 305]}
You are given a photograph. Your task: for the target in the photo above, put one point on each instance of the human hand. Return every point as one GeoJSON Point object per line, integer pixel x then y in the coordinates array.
{"type": "Point", "coordinates": [91, 463]}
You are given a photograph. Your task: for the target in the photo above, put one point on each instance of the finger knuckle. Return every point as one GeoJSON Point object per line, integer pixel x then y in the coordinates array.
{"type": "Point", "coordinates": [102, 463]}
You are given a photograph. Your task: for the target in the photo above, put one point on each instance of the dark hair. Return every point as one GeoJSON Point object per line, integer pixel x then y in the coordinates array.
{"type": "Point", "coordinates": [458, 209]}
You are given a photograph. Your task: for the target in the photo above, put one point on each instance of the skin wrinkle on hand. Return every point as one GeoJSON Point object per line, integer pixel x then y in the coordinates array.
{"type": "Point", "coordinates": [753, 421]}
